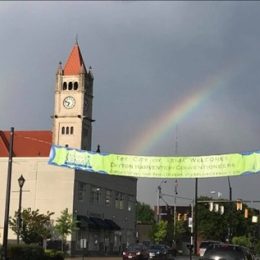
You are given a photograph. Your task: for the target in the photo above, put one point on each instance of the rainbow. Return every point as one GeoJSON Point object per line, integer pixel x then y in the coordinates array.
{"type": "Point", "coordinates": [175, 114]}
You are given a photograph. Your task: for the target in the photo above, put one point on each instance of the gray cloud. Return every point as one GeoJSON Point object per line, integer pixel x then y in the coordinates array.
{"type": "Point", "coordinates": [146, 57]}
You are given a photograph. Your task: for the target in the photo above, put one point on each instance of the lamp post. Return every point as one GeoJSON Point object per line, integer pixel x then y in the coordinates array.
{"type": "Point", "coordinates": [21, 181]}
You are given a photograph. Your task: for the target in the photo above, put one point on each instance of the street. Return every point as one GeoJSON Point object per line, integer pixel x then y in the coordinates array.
{"type": "Point", "coordinates": [120, 258]}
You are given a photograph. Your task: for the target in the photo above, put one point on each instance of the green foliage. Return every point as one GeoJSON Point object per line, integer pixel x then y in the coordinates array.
{"type": "Point", "coordinates": [181, 229]}
{"type": "Point", "coordinates": [25, 252]}
{"type": "Point", "coordinates": [65, 224]}
{"type": "Point", "coordinates": [257, 247]}
{"type": "Point", "coordinates": [212, 225]}
{"type": "Point", "coordinates": [144, 213]}
{"type": "Point", "coordinates": [35, 226]}
{"type": "Point", "coordinates": [159, 231]}
{"type": "Point", "coordinates": [54, 254]}
{"type": "Point", "coordinates": [32, 252]}
{"type": "Point", "coordinates": [241, 241]}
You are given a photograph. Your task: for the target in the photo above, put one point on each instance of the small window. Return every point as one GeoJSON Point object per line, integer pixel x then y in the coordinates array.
{"type": "Point", "coordinates": [108, 198]}
{"type": "Point", "coordinates": [64, 85]}
{"type": "Point", "coordinates": [119, 201]}
{"type": "Point", "coordinates": [76, 85]}
{"type": "Point", "coordinates": [81, 191]}
{"type": "Point", "coordinates": [130, 203]}
{"type": "Point", "coordinates": [63, 130]}
{"type": "Point", "coordinates": [95, 196]}
{"type": "Point", "coordinates": [67, 130]}
{"type": "Point", "coordinates": [70, 86]}
{"type": "Point", "coordinates": [71, 130]}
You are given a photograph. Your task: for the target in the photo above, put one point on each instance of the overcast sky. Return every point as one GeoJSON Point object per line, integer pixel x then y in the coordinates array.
{"type": "Point", "coordinates": [188, 72]}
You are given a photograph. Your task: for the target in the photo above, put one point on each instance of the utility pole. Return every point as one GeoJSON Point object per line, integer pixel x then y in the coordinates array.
{"type": "Point", "coordinates": [175, 188]}
{"type": "Point", "coordinates": [8, 191]}
{"type": "Point", "coordinates": [175, 208]}
{"type": "Point", "coordinates": [158, 200]}
{"type": "Point", "coordinates": [196, 216]}
{"type": "Point", "coordinates": [158, 203]}
{"type": "Point", "coordinates": [230, 210]}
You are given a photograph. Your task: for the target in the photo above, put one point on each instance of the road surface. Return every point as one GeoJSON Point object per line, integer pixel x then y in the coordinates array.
{"type": "Point", "coordinates": [120, 258]}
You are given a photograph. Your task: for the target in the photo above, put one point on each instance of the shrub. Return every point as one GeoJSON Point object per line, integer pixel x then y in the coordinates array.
{"type": "Point", "coordinates": [25, 252]}
{"type": "Point", "coordinates": [257, 247]}
{"type": "Point", "coordinates": [54, 254]}
{"type": "Point", "coordinates": [241, 241]}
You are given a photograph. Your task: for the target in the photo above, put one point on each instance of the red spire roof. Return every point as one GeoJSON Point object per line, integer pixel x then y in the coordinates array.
{"type": "Point", "coordinates": [26, 143]}
{"type": "Point", "coordinates": [75, 62]}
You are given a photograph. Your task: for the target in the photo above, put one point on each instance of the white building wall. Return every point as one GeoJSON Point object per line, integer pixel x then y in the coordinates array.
{"type": "Point", "coordinates": [46, 187]}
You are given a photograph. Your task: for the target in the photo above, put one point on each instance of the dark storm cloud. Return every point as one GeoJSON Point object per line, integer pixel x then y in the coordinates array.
{"type": "Point", "coordinates": [146, 57]}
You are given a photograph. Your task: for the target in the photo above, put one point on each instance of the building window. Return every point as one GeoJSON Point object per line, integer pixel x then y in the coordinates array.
{"type": "Point", "coordinates": [119, 202]}
{"type": "Point", "coordinates": [67, 130]}
{"type": "Point", "coordinates": [64, 85]}
{"type": "Point", "coordinates": [71, 130]}
{"type": "Point", "coordinates": [81, 191]}
{"type": "Point", "coordinates": [63, 130]}
{"type": "Point", "coordinates": [95, 196]}
{"type": "Point", "coordinates": [108, 198]}
{"type": "Point", "coordinates": [70, 85]}
{"type": "Point", "coordinates": [130, 203]}
{"type": "Point", "coordinates": [76, 85]}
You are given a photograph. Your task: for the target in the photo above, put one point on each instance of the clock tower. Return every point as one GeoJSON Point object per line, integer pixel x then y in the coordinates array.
{"type": "Point", "coordinates": [72, 119]}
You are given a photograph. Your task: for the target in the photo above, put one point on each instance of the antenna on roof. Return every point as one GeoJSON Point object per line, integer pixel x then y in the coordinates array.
{"type": "Point", "coordinates": [76, 38]}
{"type": "Point", "coordinates": [176, 141]}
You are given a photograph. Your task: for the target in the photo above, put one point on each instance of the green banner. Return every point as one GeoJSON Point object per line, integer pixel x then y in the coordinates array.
{"type": "Point", "coordinates": [157, 167]}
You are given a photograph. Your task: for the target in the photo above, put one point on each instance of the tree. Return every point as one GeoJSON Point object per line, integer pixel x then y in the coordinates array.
{"type": "Point", "coordinates": [182, 230]}
{"type": "Point", "coordinates": [213, 225]}
{"type": "Point", "coordinates": [144, 213]}
{"type": "Point", "coordinates": [35, 227]}
{"type": "Point", "coordinates": [159, 231]}
{"type": "Point", "coordinates": [242, 241]}
{"type": "Point", "coordinates": [65, 225]}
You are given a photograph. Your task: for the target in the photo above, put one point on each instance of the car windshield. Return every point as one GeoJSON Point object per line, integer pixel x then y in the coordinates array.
{"type": "Point", "coordinates": [156, 247]}
{"type": "Point", "coordinates": [207, 243]}
{"type": "Point", "coordinates": [135, 247]}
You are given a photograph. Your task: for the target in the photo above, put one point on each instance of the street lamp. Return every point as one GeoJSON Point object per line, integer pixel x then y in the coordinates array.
{"type": "Point", "coordinates": [158, 199]}
{"type": "Point", "coordinates": [21, 181]}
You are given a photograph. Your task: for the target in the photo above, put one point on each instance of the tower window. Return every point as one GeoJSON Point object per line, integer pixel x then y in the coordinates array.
{"type": "Point", "coordinates": [70, 85]}
{"type": "Point", "coordinates": [64, 85]}
{"type": "Point", "coordinates": [67, 130]}
{"type": "Point", "coordinates": [76, 85]}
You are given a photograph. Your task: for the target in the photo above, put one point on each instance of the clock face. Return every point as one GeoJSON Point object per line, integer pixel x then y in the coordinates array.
{"type": "Point", "coordinates": [69, 102]}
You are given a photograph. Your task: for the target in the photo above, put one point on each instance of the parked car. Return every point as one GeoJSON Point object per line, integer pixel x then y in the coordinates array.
{"type": "Point", "coordinates": [227, 252]}
{"type": "Point", "coordinates": [136, 252]}
{"type": "Point", "coordinates": [205, 244]}
{"type": "Point", "coordinates": [158, 252]}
